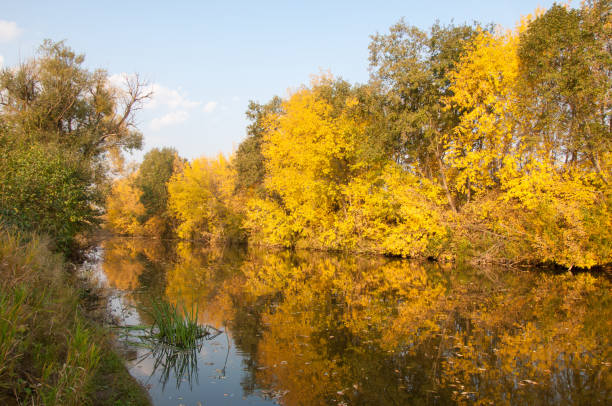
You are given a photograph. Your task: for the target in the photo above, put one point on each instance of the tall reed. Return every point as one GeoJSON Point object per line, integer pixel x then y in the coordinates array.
{"type": "Point", "coordinates": [175, 325]}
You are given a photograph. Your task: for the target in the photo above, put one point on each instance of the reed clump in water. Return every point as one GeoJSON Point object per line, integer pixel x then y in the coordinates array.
{"type": "Point", "coordinates": [175, 325]}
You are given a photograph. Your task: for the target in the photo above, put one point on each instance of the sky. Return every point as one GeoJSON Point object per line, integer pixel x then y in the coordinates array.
{"type": "Point", "coordinates": [205, 60]}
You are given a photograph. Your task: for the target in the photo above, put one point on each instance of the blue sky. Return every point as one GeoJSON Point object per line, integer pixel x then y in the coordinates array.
{"type": "Point", "coordinates": [207, 59]}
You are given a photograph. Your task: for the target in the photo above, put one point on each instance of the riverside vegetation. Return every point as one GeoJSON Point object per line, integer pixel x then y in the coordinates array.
{"type": "Point", "coordinates": [61, 128]}
{"type": "Point", "coordinates": [51, 351]}
{"type": "Point", "coordinates": [468, 142]}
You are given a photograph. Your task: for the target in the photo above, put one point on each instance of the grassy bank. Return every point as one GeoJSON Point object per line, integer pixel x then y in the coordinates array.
{"type": "Point", "coordinates": [51, 352]}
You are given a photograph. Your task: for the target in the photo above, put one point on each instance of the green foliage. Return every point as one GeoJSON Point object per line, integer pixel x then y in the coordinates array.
{"type": "Point", "coordinates": [153, 175]}
{"type": "Point", "coordinates": [53, 99]}
{"type": "Point", "coordinates": [60, 125]}
{"type": "Point", "coordinates": [46, 189]}
{"type": "Point", "coordinates": [248, 160]}
{"type": "Point", "coordinates": [564, 64]}
{"type": "Point", "coordinates": [411, 66]}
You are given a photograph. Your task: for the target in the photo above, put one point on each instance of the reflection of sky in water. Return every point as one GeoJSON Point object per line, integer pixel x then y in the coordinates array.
{"type": "Point", "coordinates": [313, 328]}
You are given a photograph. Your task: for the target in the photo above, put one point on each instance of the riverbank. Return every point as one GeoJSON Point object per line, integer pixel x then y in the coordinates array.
{"type": "Point", "coordinates": [53, 350]}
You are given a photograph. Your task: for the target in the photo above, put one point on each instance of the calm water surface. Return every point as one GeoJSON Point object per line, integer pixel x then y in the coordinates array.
{"type": "Point", "coordinates": [304, 328]}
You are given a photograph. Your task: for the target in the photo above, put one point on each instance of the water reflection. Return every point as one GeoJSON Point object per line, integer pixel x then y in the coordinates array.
{"type": "Point", "coordinates": [169, 362]}
{"type": "Point", "coordinates": [307, 328]}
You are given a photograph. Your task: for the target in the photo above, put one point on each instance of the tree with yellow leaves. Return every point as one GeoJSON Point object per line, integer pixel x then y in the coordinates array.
{"type": "Point", "coordinates": [534, 201]}
{"type": "Point", "coordinates": [484, 89]}
{"type": "Point", "coordinates": [310, 152]}
{"type": "Point", "coordinates": [123, 207]}
{"type": "Point", "coordinates": [200, 196]}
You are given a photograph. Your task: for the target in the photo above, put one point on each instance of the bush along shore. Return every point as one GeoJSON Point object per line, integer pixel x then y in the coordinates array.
{"type": "Point", "coordinates": [53, 351]}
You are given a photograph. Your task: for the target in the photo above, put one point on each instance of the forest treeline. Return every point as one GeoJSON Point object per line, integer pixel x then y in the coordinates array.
{"type": "Point", "coordinates": [468, 142]}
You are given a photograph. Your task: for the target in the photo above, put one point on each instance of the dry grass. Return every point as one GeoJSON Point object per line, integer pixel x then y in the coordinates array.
{"type": "Point", "coordinates": [50, 353]}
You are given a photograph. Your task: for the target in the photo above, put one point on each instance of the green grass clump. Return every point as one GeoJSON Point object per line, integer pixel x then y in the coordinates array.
{"type": "Point", "coordinates": [174, 325]}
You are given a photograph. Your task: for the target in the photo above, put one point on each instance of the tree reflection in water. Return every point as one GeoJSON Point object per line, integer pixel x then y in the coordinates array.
{"type": "Point", "coordinates": [315, 328]}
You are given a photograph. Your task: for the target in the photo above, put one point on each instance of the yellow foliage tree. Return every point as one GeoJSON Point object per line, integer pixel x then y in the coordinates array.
{"type": "Point", "coordinates": [323, 192]}
{"type": "Point", "coordinates": [123, 207]}
{"type": "Point", "coordinates": [529, 205]}
{"type": "Point", "coordinates": [310, 153]}
{"type": "Point", "coordinates": [483, 86]}
{"type": "Point", "coordinates": [201, 198]}
{"type": "Point", "coordinates": [394, 212]}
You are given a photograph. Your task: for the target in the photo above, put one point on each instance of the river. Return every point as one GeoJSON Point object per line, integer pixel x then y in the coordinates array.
{"type": "Point", "coordinates": [312, 328]}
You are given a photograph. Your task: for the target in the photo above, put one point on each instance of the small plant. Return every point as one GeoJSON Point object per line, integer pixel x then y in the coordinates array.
{"type": "Point", "coordinates": [174, 340]}
{"type": "Point", "coordinates": [175, 325]}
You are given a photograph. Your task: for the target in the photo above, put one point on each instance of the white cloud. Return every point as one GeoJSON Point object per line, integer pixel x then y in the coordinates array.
{"type": "Point", "coordinates": [172, 98]}
{"type": "Point", "coordinates": [162, 96]}
{"type": "Point", "coordinates": [8, 30]}
{"type": "Point", "coordinates": [118, 79]}
{"type": "Point", "coordinates": [210, 106]}
{"type": "Point", "coordinates": [1, 61]}
{"type": "Point", "coordinates": [174, 117]}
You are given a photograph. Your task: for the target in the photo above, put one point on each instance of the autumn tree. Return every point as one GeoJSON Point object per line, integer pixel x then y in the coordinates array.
{"type": "Point", "coordinates": [59, 125]}
{"type": "Point", "coordinates": [512, 148]}
{"type": "Point", "coordinates": [201, 196]}
{"type": "Point", "coordinates": [310, 152]}
{"type": "Point", "coordinates": [124, 209]}
{"type": "Point", "coordinates": [410, 67]}
{"type": "Point", "coordinates": [483, 88]}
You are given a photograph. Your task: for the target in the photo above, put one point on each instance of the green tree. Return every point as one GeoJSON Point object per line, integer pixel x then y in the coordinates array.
{"type": "Point", "coordinates": [153, 175]}
{"type": "Point", "coordinates": [248, 160]}
{"type": "Point", "coordinates": [59, 125]}
{"type": "Point", "coordinates": [565, 76]}
{"type": "Point", "coordinates": [409, 67]}
{"type": "Point", "coordinates": [45, 189]}
{"type": "Point", "coordinates": [54, 99]}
